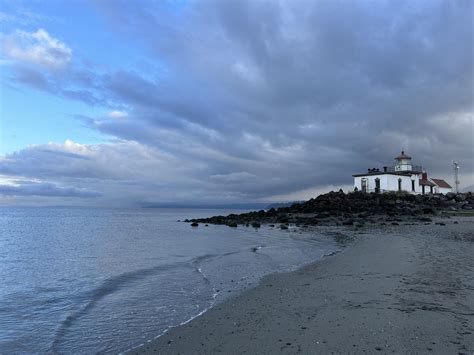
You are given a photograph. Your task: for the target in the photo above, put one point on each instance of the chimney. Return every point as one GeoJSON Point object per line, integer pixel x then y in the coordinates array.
{"type": "Point", "coordinates": [384, 169]}
{"type": "Point", "coordinates": [424, 176]}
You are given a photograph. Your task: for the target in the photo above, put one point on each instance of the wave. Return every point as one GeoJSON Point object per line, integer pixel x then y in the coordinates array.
{"type": "Point", "coordinates": [116, 283]}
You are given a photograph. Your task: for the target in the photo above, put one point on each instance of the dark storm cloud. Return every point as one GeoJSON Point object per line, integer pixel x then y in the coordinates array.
{"type": "Point", "coordinates": [266, 98]}
{"type": "Point", "coordinates": [281, 63]}
{"type": "Point", "coordinates": [363, 77]}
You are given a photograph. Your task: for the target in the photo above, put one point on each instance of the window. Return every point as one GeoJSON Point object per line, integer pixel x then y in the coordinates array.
{"type": "Point", "coordinates": [413, 185]}
{"type": "Point", "coordinates": [364, 185]}
{"type": "Point", "coordinates": [399, 184]}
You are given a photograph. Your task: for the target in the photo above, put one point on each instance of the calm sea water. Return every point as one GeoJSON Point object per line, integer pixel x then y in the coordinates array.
{"type": "Point", "coordinates": [106, 280]}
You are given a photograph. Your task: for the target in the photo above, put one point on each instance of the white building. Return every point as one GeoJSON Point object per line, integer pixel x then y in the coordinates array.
{"type": "Point", "coordinates": [403, 176]}
{"type": "Point", "coordinates": [442, 187]}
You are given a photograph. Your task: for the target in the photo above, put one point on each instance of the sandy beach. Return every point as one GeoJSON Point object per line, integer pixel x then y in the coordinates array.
{"type": "Point", "coordinates": [401, 289]}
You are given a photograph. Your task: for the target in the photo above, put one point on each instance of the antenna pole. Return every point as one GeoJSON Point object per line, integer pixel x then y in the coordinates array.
{"type": "Point", "coordinates": [456, 176]}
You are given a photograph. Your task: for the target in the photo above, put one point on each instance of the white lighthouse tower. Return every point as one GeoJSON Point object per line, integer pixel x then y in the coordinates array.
{"type": "Point", "coordinates": [403, 163]}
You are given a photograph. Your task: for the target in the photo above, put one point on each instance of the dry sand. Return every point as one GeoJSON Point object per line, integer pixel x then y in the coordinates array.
{"type": "Point", "coordinates": [405, 289]}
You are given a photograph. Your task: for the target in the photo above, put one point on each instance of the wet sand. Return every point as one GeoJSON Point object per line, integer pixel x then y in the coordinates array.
{"type": "Point", "coordinates": [403, 289]}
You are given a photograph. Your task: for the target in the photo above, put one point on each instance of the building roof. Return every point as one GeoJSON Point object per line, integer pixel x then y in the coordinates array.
{"type": "Point", "coordinates": [402, 156]}
{"type": "Point", "coordinates": [441, 183]}
{"type": "Point", "coordinates": [426, 183]}
{"type": "Point", "coordinates": [382, 173]}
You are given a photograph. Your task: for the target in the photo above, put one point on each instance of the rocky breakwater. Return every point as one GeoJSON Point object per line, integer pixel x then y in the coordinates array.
{"type": "Point", "coordinates": [356, 208]}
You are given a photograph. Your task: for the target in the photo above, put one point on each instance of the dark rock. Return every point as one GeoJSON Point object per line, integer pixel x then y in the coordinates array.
{"type": "Point", "coordinates": [194, 224]}
{"type": "Point", "coordinates": [337, 208]}
{"type": "Point", "coordinates": [232, 224]}
{"type": "Point", "coordinates": [283, 226]}
{"type": "Point", "coordinates": [450, 195]}
{"type": "Point", "coordinates": [255, 224]}
{"type": "Point", "coordinates": [460, 197]}
{"type": "Point", "coordinates": [428, 210]}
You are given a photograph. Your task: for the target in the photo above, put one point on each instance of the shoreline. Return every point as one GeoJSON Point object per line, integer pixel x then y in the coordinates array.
{"type": "Point", "coordinates": [346, 300]}
{"type": "Point", "coordinates": [328, 232]}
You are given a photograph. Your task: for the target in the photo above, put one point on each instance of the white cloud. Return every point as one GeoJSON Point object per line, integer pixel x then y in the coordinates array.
{"type": "Point", "coordinates": [118, 160]}
{"type": "Point", "coordinates": [38, 48]}
{"type": "Point", "coordinates": [117, 114]}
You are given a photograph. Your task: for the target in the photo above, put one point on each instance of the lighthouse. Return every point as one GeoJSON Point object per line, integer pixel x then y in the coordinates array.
{"type": "Point", "coordinates": [402, 176]}
{"type": "Point", "coordinates": [403, 162]}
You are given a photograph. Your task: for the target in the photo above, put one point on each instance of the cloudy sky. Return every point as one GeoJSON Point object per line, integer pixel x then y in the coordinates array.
{"type": "Point", "coordinates": [124, 103]}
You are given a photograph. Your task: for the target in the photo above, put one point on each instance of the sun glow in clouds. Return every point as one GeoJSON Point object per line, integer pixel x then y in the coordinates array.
{"type": "Point", "coordinates": [117, 114]}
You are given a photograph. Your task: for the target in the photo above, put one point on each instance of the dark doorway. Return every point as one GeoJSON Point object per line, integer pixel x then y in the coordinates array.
{"type": "Point", "coordinates": [377, 185]}
{"type": "Point", "coordinates": [364, 185]}
{"type": "Point", "coordinates": [413, 185]}
{"type": "Point", "coordinates": [399, 184]}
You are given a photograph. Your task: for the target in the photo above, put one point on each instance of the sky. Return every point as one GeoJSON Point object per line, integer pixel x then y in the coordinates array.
{"type": "Point", "coordinates": [130, 103]}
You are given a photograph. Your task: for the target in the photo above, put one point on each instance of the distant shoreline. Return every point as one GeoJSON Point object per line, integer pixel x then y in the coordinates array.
{"type": "Point", "coordinates": [402, 289]}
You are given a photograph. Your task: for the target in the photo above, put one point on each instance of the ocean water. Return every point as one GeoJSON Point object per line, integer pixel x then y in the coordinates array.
{"type": "Point", "coordinates": [77, 280]}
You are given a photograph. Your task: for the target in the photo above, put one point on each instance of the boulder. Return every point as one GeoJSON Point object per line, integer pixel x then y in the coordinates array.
{"type": "Point", "coordinates": [450, 195]}
{"type": "Point", "coordinates": [428, 210]}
